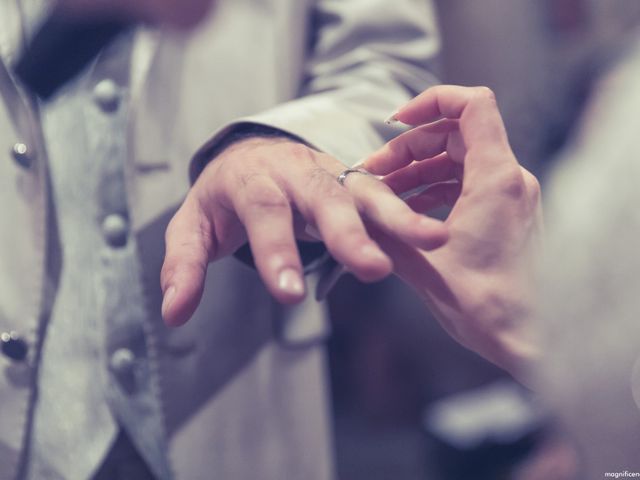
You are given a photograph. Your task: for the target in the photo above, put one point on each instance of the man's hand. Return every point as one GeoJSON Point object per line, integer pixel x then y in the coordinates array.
{"type": "Point", "coordinates": [479, 284]}
{"type": "Point", "coordinates": [266, 191]}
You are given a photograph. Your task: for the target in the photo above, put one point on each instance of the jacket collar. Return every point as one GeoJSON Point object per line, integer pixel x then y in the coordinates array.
{"type": "Point", "coordinates": [11, 38]}
{"type": "Point", "coordinates": [145, 49]}
{"type": "Point", "coordinates": [20, 104]}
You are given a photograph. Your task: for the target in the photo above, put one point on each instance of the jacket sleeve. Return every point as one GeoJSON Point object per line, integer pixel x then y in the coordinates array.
{"type": "Point", "coordinates": [366, 59]}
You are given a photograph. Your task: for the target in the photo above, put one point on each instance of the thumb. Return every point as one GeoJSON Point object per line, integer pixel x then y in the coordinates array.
{"type": "Point", "coordinates": [189, 246]}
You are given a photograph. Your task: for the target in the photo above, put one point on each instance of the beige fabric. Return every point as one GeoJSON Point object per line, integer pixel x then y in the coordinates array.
{"type": "Point", "coordinates": [237, 403]}
{"type": "Point", "coordinates": [590, 304]}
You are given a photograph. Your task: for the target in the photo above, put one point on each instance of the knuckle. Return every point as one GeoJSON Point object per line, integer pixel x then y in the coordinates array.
{"type": "Point", "coordinates": [511, 182]}
{"type": "Point", "coordinates": [195, 232]}
{"type": "Point", "coordinates": [485, 94]}
{"type": "Point", "coordinates": [211, 170]}
{"type": "Point", "coordinates": [408, 218]}
{"type": "Point", "coordinates": [533, 185]}
{"type": "Point", "coordinates": [349, 240]}
{"type": "Point", "coordinates": [218, 175]}
{"type": "Point", "coordinates": [299, 151]}
{"type": "Point", "coordinates": [455, 146]}
{"type": "Point", "coordinates": [259, 192]}
{"type": "Point", "coordinates": [319, 178]}
{"type": "Point", "coordinates": [323, 187]}
{"type": "Point", "coordinates": [270, 204]}
{"type": "Point", "coordinates": [276, 254]}
{"type": "Point", "coordinates": [410, 147]}
{"type": "Point", "coordinates": [250, 179]}
{"type": "Point", "coordinates": [397, 145]}
{"type": "Point", "coordinates": [280, 247]}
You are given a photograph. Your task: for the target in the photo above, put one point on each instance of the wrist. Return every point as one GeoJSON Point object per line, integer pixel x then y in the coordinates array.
{"type": "Point", "coordinates": [501, 329]}
{"type": "Point", "coordinates": [241, 134]}
{"type": "Point", "coordinates": [515, 347]}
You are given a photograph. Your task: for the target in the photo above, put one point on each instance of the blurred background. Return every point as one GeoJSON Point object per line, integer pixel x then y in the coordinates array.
{"type": "Point", "coordinates": [400, 385]}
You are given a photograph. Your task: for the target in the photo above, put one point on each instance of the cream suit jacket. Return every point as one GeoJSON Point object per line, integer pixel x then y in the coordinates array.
{"type": "Point", "coordinates": [242, 385]}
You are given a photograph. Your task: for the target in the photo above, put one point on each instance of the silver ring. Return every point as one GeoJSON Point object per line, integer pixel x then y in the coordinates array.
{"type": "Point", "coordinates": [343, 176]}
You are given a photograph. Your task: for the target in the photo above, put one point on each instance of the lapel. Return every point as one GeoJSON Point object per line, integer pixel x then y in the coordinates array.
{"type": "Point", "coordinates": [16, 100]}
{"type": "Point", "coordinates": [22, 111]}
{"type": "Point", "coordinates": [146, 53]}
{"type": "Point", "coordinates": [22, 106]}
{"type": "Point", "coordinates": [145, 50]}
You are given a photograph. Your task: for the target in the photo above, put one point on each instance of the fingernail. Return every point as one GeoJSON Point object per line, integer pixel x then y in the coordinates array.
{"type": "Point", "coordinates": [169, 296]}
{"type": "Point", "coordinates": [291, 282]}
{"type": "Point", "coordinates": [372, 252]}
{"type": "Point", "coordinates": [392, 120]}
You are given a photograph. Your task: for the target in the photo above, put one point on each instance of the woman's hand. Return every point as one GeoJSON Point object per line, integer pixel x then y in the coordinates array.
{"type": "Point", "coordinates": [479, 284]}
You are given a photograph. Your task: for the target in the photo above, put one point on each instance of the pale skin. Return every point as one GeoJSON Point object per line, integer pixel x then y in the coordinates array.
{"type": "Point", "coordinates": [479, 284]}
{"type": "Point", "coordinates": [266, 191]}
{"type": "Point", "coordinates": [473, 270]}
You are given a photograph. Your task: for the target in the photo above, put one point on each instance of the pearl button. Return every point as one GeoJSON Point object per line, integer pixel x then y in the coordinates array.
{"type": "Point", "coordinates": [115, 229]}
{"type": "Point", "coordinates": [122, 362]}
{"type": "Point", "coordinates": [22, 155]}
{"type": "Point", "coordinates": [106, 94]}
{"type": "Point", "coordinates": [13, 346]}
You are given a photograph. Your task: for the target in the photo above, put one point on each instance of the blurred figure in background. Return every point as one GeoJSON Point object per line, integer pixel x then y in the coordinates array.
{"type": "Point", "coordinates": [92, 384]}
{"type": "Point", "coordinates": [591, 370]}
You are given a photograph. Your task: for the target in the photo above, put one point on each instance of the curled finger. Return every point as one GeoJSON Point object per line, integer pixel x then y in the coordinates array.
{"type": "Point", "coordinates": [380, 206]}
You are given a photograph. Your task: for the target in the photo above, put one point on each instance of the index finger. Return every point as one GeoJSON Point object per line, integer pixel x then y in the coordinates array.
{"type": "Point", "coordinates": [480, 138]}
{"type": "Point", "coordinates": [189, 248]}
{"type": "Point", "coordinates": [475, 108]}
